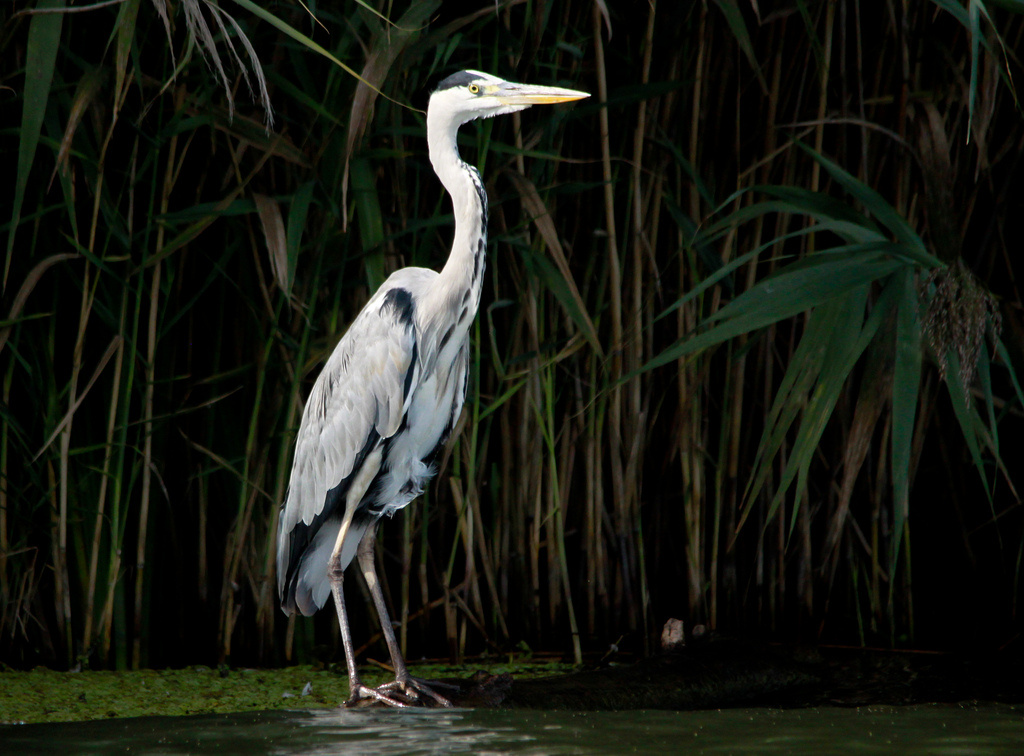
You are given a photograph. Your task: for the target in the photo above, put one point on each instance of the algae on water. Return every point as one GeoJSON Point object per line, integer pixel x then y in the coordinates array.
{"type": "Point", "coordinates": [43, 695]}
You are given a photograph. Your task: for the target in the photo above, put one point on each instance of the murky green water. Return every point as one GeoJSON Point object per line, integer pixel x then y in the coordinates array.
{"type": "Point", "coordinates": [926, 729]}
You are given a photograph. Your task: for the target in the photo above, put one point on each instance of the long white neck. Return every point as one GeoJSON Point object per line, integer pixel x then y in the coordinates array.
{"type": "Point", "coordinates": [460, 282]}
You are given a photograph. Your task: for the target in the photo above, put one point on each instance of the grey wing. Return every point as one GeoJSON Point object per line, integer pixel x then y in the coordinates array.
{"type": "Point", "coordinates": [358, 400]}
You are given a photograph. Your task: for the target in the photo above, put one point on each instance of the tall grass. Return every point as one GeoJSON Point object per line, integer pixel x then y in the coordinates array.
{"type": "Point", "coordinates": [750, 340]}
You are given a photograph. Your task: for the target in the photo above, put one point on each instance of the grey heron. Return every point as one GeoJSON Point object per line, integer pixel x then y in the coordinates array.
{"type": "Point", "coordinates": [390, 393]}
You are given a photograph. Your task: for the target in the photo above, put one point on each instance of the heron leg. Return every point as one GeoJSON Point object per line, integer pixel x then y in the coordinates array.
{"type": "Point", "coordinates": [405, 682]}
{"type": "Point", "coordinates": [336, 576]}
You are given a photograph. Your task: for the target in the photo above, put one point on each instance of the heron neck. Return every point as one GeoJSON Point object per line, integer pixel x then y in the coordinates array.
{"type": "Point", "coordinates": [461, 279]}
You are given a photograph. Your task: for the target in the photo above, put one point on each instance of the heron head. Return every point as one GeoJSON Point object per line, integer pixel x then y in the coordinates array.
{"type": "Point", "coordinates": [466, 95]}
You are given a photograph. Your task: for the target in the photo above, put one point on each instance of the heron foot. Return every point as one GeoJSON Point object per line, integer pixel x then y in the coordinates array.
{"type": "Point", "coordinates": [399, 694]}
{"type": "Point", "coordinates": [417, 691]}
{"type": "Point", "coordinates": [360, 693]}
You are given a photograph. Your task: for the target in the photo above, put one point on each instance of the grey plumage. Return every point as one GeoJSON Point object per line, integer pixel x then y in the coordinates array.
{"type": "Point", "coordinates": [391, 392]}
{"type": "Point", "coordinates": [359, 409]}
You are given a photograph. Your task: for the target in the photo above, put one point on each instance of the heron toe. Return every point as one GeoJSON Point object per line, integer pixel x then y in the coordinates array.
{"type": "Point", "coordinates": [363, 695]}
{"type": "Point", "coordinates": [418, 690]}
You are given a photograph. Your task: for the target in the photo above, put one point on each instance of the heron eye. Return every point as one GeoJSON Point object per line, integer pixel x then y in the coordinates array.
{"type": "Point", "coordinates": [474, 89]}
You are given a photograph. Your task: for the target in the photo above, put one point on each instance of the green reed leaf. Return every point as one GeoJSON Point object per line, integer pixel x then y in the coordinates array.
{"type": "Point", "coordinates": [40, 57]}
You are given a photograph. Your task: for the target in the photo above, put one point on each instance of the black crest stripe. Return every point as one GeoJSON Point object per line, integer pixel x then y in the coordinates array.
{"type": "Point", "coordinates": [460, 79]}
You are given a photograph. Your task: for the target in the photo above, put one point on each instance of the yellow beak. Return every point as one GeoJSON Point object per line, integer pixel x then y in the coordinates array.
{"type": "Point", "coordinates": [532, 94]}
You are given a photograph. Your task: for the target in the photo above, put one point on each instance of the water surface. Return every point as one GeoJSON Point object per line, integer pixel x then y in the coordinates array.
{"type": "Point", "coordinates": [923, 729]}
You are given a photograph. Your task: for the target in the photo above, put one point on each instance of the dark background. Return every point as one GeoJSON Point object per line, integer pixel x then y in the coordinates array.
{"type": "Point", "coordinates": [581, 474]}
